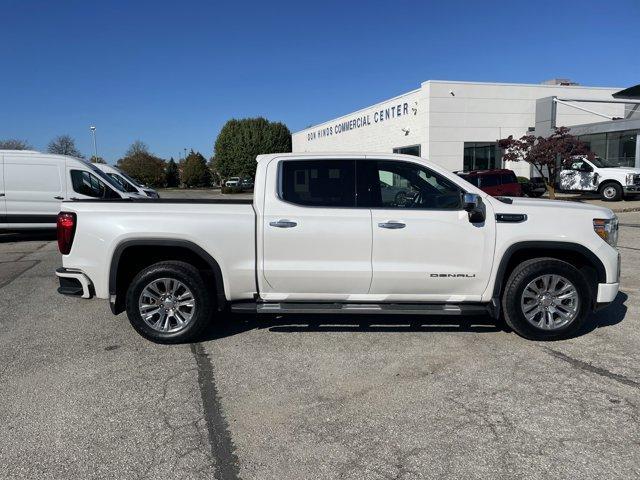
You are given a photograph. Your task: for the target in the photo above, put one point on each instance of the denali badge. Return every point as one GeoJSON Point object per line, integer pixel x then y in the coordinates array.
{"type": "Point", "coordinates": [452, 275]}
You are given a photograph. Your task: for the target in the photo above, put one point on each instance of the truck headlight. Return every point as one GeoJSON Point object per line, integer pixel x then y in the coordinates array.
{"type": "Point", "coordinates": [631, 177]}
{"type": "Point", "coordinates": [607, 229]}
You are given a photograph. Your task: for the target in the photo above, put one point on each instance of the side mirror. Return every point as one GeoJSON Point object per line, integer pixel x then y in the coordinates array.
{"type": "Point", "coordinates": [470, 201]}
{"type": "Point", "coordinates": [472, 204]}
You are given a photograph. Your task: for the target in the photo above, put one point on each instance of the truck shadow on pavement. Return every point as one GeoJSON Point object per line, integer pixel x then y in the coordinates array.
{"type": "Point", "coordinates": [229, 324]}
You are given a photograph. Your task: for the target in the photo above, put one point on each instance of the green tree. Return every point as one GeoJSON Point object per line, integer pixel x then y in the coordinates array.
{"type": "Point", "coordinates": [14, 144]}
{"type": "Point", "coordinates": [97, 159]}
{"type": "Point", "coordinates": [142, 165]}
{"type": "Point", "coordinates": [195, 172]}
{"type": "Point", "coordinates": [172, 174]}
{"type": "Point", "coordinates": [240, 141]}
{"type": "Point", "coordinates": [64, 145]}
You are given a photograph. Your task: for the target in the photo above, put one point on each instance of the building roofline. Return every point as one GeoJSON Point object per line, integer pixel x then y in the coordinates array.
{"type": "Point", "coordinates": [578, 87]}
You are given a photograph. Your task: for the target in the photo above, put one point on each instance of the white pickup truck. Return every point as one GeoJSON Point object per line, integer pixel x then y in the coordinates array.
{"type": "Point", "coordinates": [610, 180]}
{"type": "Point", "coordinates": [319, 237]}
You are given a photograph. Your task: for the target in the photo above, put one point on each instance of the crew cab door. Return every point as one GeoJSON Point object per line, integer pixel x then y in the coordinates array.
{"type": "Point", "coordinates": [425, 249]}
{"type": "Point", "coordinates": [316, 243]}
{"type": "Point", "coordinates": [578, 175]}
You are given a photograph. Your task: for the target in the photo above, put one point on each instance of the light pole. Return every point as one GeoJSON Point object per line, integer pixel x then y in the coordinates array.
{"type": "Point", "coordinates": [95, 148]}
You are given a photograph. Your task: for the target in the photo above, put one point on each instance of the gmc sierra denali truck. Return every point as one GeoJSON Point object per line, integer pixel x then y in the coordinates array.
{"type": "Point", "coordinates": [320, 237]}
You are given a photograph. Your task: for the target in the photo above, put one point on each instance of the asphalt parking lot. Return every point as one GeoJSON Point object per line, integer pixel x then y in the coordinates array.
{"type": "Point", "coordinates": [83, 396]}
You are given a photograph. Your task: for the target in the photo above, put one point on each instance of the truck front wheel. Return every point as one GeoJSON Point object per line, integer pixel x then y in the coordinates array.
{"type": "Point", "coordinates": [168, 302]}
{"type": "Point", "coordinates": [546, 299]}
{"type": "Point", "coordinates": [611, 191]}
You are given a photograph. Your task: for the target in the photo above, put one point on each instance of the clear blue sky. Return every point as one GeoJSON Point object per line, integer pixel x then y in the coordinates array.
{"type": "Point", "coordinates": [171, 73]}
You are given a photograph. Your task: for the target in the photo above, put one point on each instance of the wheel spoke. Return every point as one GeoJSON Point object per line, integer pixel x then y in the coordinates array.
{"type": "Point", "coordinates": [149, 315]}
{"type": "Point", "coordinates": [181, 321]}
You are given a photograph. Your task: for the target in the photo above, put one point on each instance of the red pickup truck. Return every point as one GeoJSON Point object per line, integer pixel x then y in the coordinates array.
{"type": "Point", "coordinates": [498, 182]}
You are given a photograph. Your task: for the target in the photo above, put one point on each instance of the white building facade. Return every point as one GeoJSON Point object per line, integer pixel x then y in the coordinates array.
{"type": "Point", "coordinates": [454, 124]}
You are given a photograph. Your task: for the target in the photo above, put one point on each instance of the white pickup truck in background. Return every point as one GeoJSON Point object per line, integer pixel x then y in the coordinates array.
{"type": "Point", "coordinates": [610, 180]}
{"type": "Point", "coordinates": [319, 237]}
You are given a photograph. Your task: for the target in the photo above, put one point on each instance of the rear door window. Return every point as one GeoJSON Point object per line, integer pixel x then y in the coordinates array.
{"type": "Point", "coordinates": [319, 183]}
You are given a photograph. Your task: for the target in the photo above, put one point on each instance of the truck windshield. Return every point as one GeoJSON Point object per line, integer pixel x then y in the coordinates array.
{"type": "Point", "coordinates": [603, 163]}
{"type": "Point", "coordinates": [104, 177]}
{"type": "Point", "coordinates": [131, 180]}
{"type": "Point", "coordinates": [126, 186]}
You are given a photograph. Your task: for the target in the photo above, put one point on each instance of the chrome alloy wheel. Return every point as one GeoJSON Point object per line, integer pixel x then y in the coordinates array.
{"type": "Point", "coordinates": [166, 305]}
{"type": "Point", "coordinates": [550, 302]}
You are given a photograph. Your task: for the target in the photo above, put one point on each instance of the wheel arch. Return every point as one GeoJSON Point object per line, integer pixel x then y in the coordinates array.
{"type": "Point", "coordinates": [602, 184]}
{"type": "Point", "coordinates": [160, 249]}
{"type": "Point", "coordinates": [577, 255]}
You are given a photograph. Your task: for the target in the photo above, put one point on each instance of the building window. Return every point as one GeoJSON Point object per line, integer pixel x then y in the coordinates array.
{"type": "Point", "coordinates": [481, 156]}
{"type": "Point", "coordinates": [618, 148]}
{"type": "Point", "coordinates": [410, 150]}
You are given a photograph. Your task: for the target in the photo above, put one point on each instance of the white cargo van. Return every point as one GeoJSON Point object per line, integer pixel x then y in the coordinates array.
{"type": "Point", "coordinates": [33, 185]}
{"type": "Point", "coordinates": [127, 183]}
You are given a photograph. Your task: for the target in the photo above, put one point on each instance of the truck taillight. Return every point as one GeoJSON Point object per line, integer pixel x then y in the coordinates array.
{"type": "Point", "coordinates": [66, 226]}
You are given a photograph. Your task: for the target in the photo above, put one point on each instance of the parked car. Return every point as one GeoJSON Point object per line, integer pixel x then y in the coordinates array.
{"type": "Point", "coordinates": [33, 185]}
{"type": "Point", "coordinates": [232, 182]}
{"type": "Point", "coordinates": [319, 237]}
{"type": "Point", "coordinates": [609, 179]}
{"type": "Point", "coordinates": [497, 182]}
{"type": "Point", "coordinates": [127, 183]}
{"type": "Point", "coordinates": [533, 187]}
{"type": "Point", "coordinates": [246, 184]}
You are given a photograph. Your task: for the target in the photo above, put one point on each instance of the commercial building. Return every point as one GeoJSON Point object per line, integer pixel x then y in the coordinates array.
{"type": "Point", "coordinates": [457, 124]}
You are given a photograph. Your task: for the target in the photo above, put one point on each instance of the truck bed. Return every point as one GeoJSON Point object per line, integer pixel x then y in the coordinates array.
{"type": "Point", "coordinates": [225, 228]}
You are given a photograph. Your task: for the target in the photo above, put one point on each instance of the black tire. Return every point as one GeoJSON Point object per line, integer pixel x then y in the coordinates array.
{"type": "Point", "coordinates": [611, 191]}
{"type": "Point", "coordinates": [526, 272]}
{"type": "Point", "coordinates": [189, 276]}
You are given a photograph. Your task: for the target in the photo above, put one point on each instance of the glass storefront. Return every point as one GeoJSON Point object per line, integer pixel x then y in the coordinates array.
{"type": "Point", "coordinates": [482, 156]}
{"type": "Point", "coordinates": [618, 148]}
{"type": "Point", "coordinates": [410, 150]}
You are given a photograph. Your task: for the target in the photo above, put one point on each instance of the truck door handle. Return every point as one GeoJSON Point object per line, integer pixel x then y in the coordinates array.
{"type": "Point", "coordinates": [392, 225]}
{"type": "Point", "coordinates": [1, 194]}
{"type": "Point", "coordinates": [283, 224]}
{"type": "Point", "coordinates": [58, 198]}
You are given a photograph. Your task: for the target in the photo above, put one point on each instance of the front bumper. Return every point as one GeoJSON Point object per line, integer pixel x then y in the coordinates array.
{"type": "Point", "coordinates": [607, 292]}
{"type": "Point", "coordinates": [631, 189]}
{"type": "Point", "coordinates": [74, 283]}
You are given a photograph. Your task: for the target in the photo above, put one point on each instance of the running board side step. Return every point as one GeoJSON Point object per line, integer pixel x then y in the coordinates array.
{"type": "Point", "coordinates": [364, 308]}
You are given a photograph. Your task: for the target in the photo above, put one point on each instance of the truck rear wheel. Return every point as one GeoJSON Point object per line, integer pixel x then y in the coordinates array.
{"type": "Point", "coordinates": [168, 302]}
{"type": "Point", "coordinates": [546, 299]}
{"type": "Point", "coordinates": [611, 191]}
